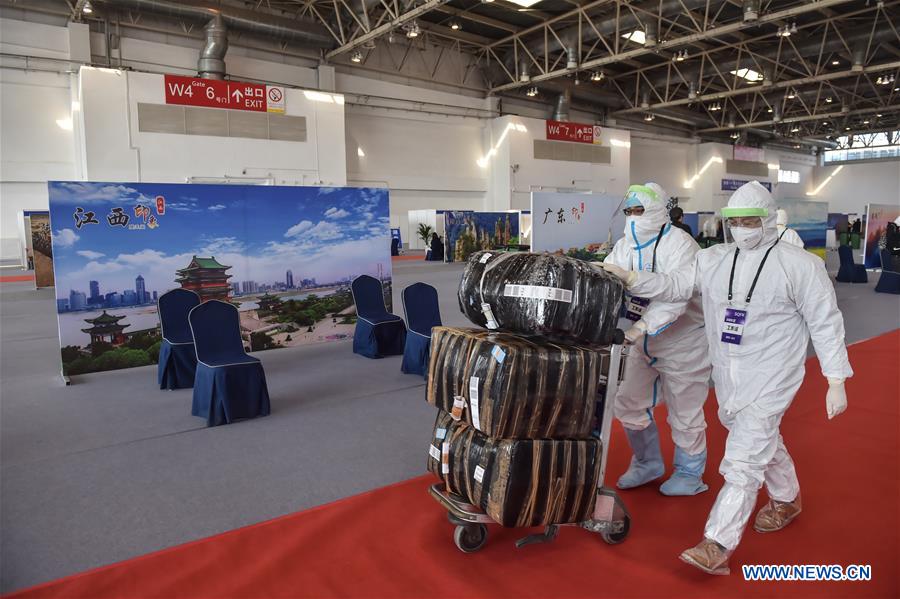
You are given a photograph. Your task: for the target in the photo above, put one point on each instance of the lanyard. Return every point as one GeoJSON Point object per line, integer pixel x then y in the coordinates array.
{"type": "Point", "coordinates": [758, 271]}
{"type": "Point", "coordinates": [656, 245]}
{"type": "Point", "coordinates": [782, 233]}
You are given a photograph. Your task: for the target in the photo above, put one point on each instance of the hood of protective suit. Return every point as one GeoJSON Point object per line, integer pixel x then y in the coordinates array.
{"type": "Point", "coordinates": [653, 198]}
{"type": "Point", "coordinates": [752, 199]}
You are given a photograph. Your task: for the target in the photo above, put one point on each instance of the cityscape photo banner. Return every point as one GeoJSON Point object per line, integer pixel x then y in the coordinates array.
{"type": "Point", "coordinates": [284, 256]}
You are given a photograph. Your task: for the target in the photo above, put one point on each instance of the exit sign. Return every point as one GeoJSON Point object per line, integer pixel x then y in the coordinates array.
{"type": "Point", "coordinates": [213, 93]}
{"type": "Point", "coordinates": [579, 132]}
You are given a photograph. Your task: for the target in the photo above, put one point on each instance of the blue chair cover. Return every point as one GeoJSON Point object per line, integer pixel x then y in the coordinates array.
{"type": "Point", "coordinates": [849, 271]}
{"type": "Point", "coordinates": [229, 384]}
{"type": "Point", "coordinates": [420, 307]}
{"type": "Point", "coordinates": [889, 281]}
{"type": "Point", "coordinates": [177, 358]}
{"type": "Point", "coordinates": [378, 332]}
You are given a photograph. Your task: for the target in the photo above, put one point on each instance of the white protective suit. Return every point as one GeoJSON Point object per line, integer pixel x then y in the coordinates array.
{"type": "Point", "coordinates": [756, 380]}
{"type": "Point", "coordinates": [785, 234]}
{"type": "Point", "coordinates": [670, 364]}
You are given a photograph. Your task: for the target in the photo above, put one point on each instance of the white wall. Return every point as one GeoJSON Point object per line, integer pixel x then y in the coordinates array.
{"type": "Point", "coordinates": [668, 163]}
{"type": "Point", "coordinates": [856, 185]}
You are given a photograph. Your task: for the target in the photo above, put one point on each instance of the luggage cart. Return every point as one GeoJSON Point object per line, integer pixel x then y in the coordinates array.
{"type": "Point", "coordinates": [610, 519]}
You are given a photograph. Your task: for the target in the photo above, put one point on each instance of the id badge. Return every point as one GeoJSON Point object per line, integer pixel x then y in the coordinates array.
{"type": "Point", "coordinates": [733, 327]}
{"type": "Point", "coordinates": [636, 308]}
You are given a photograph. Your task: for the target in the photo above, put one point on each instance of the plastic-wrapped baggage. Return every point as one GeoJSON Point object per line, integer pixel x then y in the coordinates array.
{"type": "Point", "coordinates": [531, 482]}
{"type": "Point", "coordinates": [541, 294]}
{"type": "Point", "coordinates": [514, 387]}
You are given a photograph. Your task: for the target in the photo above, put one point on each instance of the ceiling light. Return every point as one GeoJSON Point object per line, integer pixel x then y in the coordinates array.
{"type": "Point", "coordinates": [532, 92]}
{"type": "Point", "coordinates": [769, 109]}
{"type": "Point", "coordinates": [577, 80]}
{"type": "Point", "coordinates": [715, 107]}
{"type": "Point", "coordinates": [865, 122]}
{"type": "Point", "coordinates": [829, 100]}
{"type": "Point", "coordinates": [356, 56]}
{"type": "Point", "coordinates": [791, 94]}
{"type": "Point", "coordinates": [735, 135]}
{"type": "Point", "coordinates": [794, 27]}
{"type": "Point", "coordinates": [878, 115]}
{"type": "Point", "coordinates": [835, 62]}
{"type": "Point", "coordinates": [413, 30]}
{"type": "Point", "coordinates": [637, 36]}
{"type": "Point", "coordinates": [846, 128]}
{"type": "Point", "coordinates": [649, 117]}
{"type": "Point", "coordinates": [784, 31]}
{"type": "Point", "coordinates": [748, 74]}
{"type": "Point", "coordinates": [795, 130]}
{"type": "Point", "coordinates": [455, 26]}
{"type": "Point", "coordinates": [597, 76]}
{"type": "Point", "coordinates": [525, 3]}
{"type": "Point", "coordinates": [87, 8]}
{"type": "Point", "coordinates": [680, 56]}
{"type": "Point", "coordinates": [487, 1]}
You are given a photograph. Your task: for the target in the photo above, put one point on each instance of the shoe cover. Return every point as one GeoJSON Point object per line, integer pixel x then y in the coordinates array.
{"type": "Point", "coordinates": [708, 556]}
{"type": "Point", "coordinates": [647, 463]}
{"type": "Point", "coordinates": [687, 478]}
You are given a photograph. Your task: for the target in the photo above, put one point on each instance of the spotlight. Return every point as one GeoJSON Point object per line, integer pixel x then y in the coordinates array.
{"type": "Point", "coordinates": [794, 27]}
{"type": "Point", "coordinates": [597, 76]}
{"type": "Point", "coordinates": [829, 100]}
{"type": "Point", "coordinates": [878, 115]}
{"type": "Point", "coordinates": [791, 94]}
{"type": "Point", "coordinates": [715, 107]}
{"type": "Point", "coordinates": [835, 62]}
{"type": "Point", "coordinates": [532, 92]}
{"type": "Point", "coordinates": [455, 26]}
{"type": "Point", "coordinates": [649, 117]}
{"type": "Point", "coordinates": [865, 122]}
{"type": "Point", "coordinates": [356, 57]}
{"type": "Point", "coordinates": [413, 30]}
{"type": "Point", "coordinates": [680, 56]}
{"type": "Point", "coordinates": [795, 130]}
{"type": "Point", "coordinates": [735, 135]}
{"type": "Point", "coordinates": [87, 8]}
{"type": "Point", "coordinates": [770, 109]}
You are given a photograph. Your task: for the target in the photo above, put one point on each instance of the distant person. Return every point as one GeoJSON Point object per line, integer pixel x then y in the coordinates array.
{"type": "Point", "coordinates": [857, 227]}
{"type": "Point", "coordinates": [786, 234]}
{"type": "Point", "coordinates": [395, 246]}
{"type": "Point", "coordinates": [676, 215]}
{"type": "Point", "coordinates": [437, 248]}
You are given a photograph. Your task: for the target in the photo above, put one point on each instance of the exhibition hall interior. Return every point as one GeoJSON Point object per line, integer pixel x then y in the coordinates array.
{"type": "Point", "coordinates": [449, 298]}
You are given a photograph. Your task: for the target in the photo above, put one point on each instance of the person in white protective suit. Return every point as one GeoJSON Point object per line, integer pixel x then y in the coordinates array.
{"type": "Point", "coordinates": [785, 234]}
{"type": "Point", "coordinates": [669, 360]}
{"type": "Point", "coordinates": [762, 301]}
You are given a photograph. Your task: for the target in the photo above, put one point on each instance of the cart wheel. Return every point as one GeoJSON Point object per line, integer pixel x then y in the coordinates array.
{"type": "Point", "coordinates": [617, 537]}
{"type": "Point", "coordinates": [470, 538]}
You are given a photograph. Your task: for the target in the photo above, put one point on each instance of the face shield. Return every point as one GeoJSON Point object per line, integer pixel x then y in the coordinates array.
{"type": "Point", "coordinates": [743, 227]}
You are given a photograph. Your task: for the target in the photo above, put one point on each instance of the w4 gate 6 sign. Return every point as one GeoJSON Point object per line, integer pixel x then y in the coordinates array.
{"type": "Point", "coordinates": [212, 93]}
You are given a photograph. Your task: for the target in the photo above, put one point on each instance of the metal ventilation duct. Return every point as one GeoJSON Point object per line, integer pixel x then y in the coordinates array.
{"type": "Point", "coordinates": [261, 24]}
{"type": "Point", "coordinates": [211, 64]}
{"type": "Point", "coordinates": [562, 106]}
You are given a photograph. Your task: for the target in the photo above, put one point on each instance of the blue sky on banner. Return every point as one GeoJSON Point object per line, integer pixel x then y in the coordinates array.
{"type": "Point", "coordinates": [261, 231]}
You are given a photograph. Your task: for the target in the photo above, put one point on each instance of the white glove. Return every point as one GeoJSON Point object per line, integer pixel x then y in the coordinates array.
{"type": "Point", "coordinates": [836, 398]}
{"type": "Point", "coordinates": [634, 334]}
{"type": "Point", "coordinates": [626, 276]}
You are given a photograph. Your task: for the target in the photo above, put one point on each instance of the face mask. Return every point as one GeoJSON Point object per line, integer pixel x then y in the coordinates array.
{"type": "Point", "coordinates": [628, 221]}
{"type": "Point", "coordinates": [746, 238]}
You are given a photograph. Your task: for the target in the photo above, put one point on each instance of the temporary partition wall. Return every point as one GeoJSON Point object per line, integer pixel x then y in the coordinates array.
{"type": "Point", "coordinates": [810, 221]}
{"type": "Point", "coordinates": [285, 256]}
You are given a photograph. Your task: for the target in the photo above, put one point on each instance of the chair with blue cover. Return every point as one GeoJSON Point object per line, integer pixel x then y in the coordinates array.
{"type": "Point", "coordinates": [849, 271]}
{"type": "Point", "coordinates": [889, 281]}
{"type": "Point", "coordinates": [177, 357]}
{"type": "Point", "coordinates": [420, 307]}
{"type": "Point", "coordinates": [378, 332]}
{"type": "Point", "coordinates": [230, 384]}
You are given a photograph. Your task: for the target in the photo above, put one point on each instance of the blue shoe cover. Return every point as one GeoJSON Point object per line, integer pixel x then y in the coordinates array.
{"type": "Point", "coordinates": [647, 463]}
{"type": "Point", "coordinates": [687, 478]}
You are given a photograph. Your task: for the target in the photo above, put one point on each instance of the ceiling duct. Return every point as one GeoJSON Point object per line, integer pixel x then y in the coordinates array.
{"type": "Point", "coordinates": [571, 57]}
{"type": "Point", "coordinates": [524, 75]}
{"type": "Point", "coordinates": [751, 10]}
{"type": "Point", "coordinates": [650, 34]}
{"type": "Point", "coordinates": [301, 31]}
{"type": "Point", "coordinates": [211, 64]}
{"type": "Point", "coordinates": [562, 106]}
{"type": "Point", "coordinates": [858, 57]}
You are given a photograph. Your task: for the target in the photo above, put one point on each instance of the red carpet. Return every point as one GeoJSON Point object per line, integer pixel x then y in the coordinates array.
{"type": "Point", "coordinates": [420, 257]}
{"type": "Point", "coordinates": [16, 278]}
{"type": "Point", "coordinates": [395, 542]}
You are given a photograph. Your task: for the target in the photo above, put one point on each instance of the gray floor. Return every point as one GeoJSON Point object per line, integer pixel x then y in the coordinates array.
{"type": "Point", "coordinates": [109, 468]}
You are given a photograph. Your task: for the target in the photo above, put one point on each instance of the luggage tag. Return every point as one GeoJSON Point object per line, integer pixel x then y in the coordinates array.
{"type": "Point", "coordinates": [489, 316]}
{"type": "Point", "coordinates": [733, 325]}
{"type": "Point", "coordinates": [445, 458]}
{"type": "Point", "coordinates": [459, 403]}
{"type": "Point", "coordinates": [636, 308]}
{"type": "Point", "coordinates": [474, 408]}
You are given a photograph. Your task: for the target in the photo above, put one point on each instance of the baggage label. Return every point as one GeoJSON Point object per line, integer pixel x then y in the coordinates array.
{"type": "Point", "coordinates": [440, 433]}
{"type": "Point", "coordinates": [434, 452]}
{"type": "Point", "coordinates": [538, 292]}
{"type": "Point", "coordinates": [636, 308]}
{"type": "Point", "coordinates": [459, 403]}
{"type": "Point", "coordinates": [489, 315]}
{"type": "Point", "coordinates": [479, 473]}
{"type": "Point", "coordinates": [445, 458]}
{"type": "Point", "coordinates": [733, 327]}
{"type": "Point", "coordinates": [473, 402]}
{"type": "Point", "coordinates": [485, 258]}
{"type": "Point", "coordinates": [498, 354]}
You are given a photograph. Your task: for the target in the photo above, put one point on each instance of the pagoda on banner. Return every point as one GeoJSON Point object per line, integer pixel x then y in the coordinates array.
{"type": "Point", "coordinates": [206, 277]}
{"type": "Point", "coordinates": [269, 303]}
{"type": "Point", "coordinates": [106, 329]}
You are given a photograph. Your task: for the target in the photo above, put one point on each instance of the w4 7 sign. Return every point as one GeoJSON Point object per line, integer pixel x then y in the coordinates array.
{"type": "Point", "coordinates": [212, 93]}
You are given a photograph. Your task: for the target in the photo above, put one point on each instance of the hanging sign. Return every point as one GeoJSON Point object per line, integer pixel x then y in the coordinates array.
{"type": "Point", "coordinates": [733, 184]}
{"type": "Point", "coordinates": [578, 132]}
{"type": "Point", "coordinates": [213, 93]}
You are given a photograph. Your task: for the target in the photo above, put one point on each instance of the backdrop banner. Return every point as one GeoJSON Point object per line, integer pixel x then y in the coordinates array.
{"type": "Point", "coordinates": [41, 249]}
{"type": "Point", "coordinates": [877, 218]}
{"type": "Point", "coordinates": [575, 224]}
{"type": "Point", "coordinates": [285, 256]}
{"type": "Point", "coordinates": [810, 221]}
{"type": "Point", "coordinates": [470, 232]}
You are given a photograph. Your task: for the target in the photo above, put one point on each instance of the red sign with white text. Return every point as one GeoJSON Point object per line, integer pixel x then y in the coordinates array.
{"type": "Point", "coordinates": [212, 93]}
{"type": "Point", "coordinates": [564, 131]}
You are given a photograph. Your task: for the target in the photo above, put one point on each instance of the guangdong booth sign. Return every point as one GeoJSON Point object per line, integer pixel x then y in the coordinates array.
{"type": "Point", "coordinates": [212, 93]}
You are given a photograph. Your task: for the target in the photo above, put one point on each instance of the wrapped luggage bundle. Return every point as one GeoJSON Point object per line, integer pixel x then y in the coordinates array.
{"type": "Point", "coordinates": [531, 482]}
{"type": "Point", "coordinates": [513, 387]}
{"type": "Point", "coordinates": [541, 294]}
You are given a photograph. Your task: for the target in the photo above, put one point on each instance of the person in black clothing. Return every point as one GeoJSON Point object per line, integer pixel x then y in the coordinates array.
{"type": "Point", "coordinates": [437, 248]}
{"type": "Point", "coordinates": [395, 246]}
{"type": "Point", "coordinates": [857, 226]}
{"type": "Point", "coordinates": [676, 215]}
